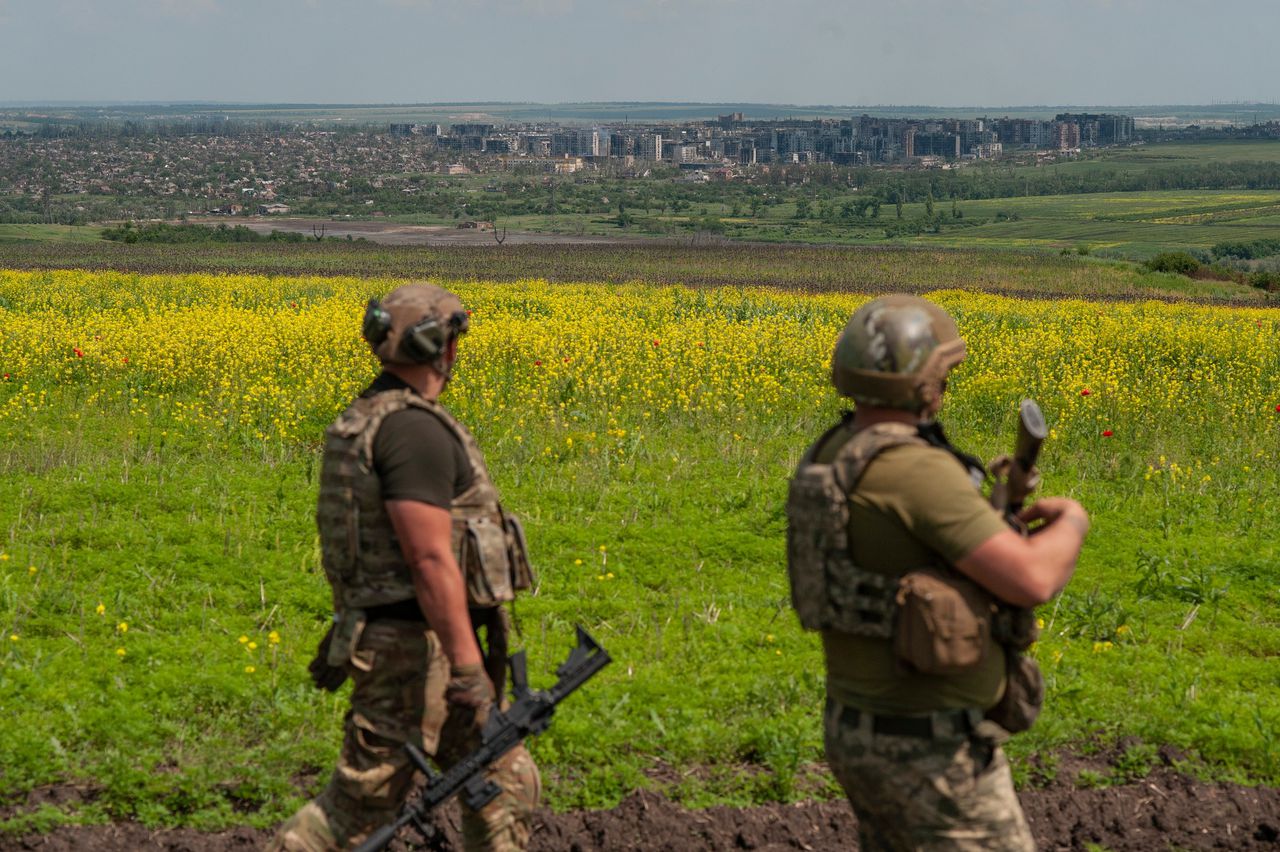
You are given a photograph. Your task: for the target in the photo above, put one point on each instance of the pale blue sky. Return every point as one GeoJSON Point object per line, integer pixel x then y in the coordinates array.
{"type": "Point", "coordinates": [858, 52]}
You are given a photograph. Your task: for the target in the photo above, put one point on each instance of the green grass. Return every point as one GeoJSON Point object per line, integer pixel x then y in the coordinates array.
{"type": "Point", "coordinates": [49, 233]}
{"type": "Point", "coordinates": [194, 538]}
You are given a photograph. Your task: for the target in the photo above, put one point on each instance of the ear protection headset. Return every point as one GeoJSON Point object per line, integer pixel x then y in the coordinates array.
{"type": "Point", "coordinates": [420, 343]}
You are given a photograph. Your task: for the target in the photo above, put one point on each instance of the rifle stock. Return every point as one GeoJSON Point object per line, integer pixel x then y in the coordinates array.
{"type": "Point", "coordinates": [1016, 475]}
{"type": "Point", "coordinates": [1031, 434]}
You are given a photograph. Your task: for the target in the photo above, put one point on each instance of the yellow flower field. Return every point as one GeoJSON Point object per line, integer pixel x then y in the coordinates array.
{"type": "Point", "coordinates": [273, 359]}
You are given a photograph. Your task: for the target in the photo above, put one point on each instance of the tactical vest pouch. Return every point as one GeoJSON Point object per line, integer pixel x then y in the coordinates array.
{"type": "Point", "coordinates": [828, 591]}
{"type": "Point", "coordinates": [944, 622]}
{"type": "Point", "coordinates": [484, 562]}
{"type": "Point", "coordinates": [1023, 695]}
{"type": "Point", "coordinates": [347, 630]}
{"type": "Point", "coordinates": [518, 549]}
{"type": "Point", "coordinates": [1015, 627]}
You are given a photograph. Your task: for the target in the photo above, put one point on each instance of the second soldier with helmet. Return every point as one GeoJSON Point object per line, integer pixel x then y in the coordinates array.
{"type": "Point", "coordinates": [898, 560]}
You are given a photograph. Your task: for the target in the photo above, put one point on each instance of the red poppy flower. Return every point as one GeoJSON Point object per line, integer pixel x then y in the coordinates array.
{"type": "Point", "coordinates": [566, 360]}
{"type": "Point", "coordinates": [1085, 392]}
{"type": "Point", "coordinates": [656, 342]}
{"type": "Point", "coordinates": [537, 363]}
{"type": "Point", "coordinates": [125, 360]}
{"type": "Point", "coordinates": [1107, 433]}
{"type": "Point", "coordinates": [6, 375]}
{"type": "Point", "coordinates": [76, 350]}
{"type": "Point", "coordinates": [6, 378]}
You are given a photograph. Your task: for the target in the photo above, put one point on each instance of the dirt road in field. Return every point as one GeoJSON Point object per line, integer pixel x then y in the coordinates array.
{"type": "Point", "coordinates": [396, 234]}
{"type": "Point", "coordinates": [1164, 810]}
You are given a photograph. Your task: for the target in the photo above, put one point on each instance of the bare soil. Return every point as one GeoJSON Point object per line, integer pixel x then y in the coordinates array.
{"type": "Point", "coordinates": [1166, 810]}
{"type": "Point", "coordinates": [391, 233]}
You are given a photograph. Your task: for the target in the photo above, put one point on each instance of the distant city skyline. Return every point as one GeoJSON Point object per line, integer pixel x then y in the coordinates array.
{"type": "Point", "coordinates": [856, 52]}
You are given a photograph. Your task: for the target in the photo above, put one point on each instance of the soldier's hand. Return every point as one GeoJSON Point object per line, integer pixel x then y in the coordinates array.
{"type": "Point", "coordinates": [469, 694]}
{"type": "Point", "coordinates": [323, 675]}
{"type": "Point", "coordinates": [1053, 510]}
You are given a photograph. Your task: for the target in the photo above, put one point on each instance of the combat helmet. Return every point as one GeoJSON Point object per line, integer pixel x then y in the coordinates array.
{"type": "Point", "coordinates": [414, 324]}
{"type": "Point", "coordinates": [896, 352]}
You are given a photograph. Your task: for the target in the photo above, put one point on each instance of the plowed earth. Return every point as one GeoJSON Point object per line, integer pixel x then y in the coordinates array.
{"type": "Point", "coordinates": [1165, 810]}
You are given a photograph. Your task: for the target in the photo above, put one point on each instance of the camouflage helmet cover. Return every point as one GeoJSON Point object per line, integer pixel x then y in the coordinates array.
{"type": "Point", "coordinates": [896, 352]}
{"type": "Point", "coordinates": [409, 307]}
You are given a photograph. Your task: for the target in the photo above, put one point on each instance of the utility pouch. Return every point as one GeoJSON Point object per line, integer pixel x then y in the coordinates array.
{"type": "Point", "coordinates": [518, 551]}
{"type": "Point", "coordinates": [944, 622]}
{"type": "Point", "coordinates": [485, 563]}
{"type": "Point", "coordinates": [1023, 695]}
{"type": "Point", "coordinates": [1015, 627]}
{"type": "Point", "coordinates": [347, 630]}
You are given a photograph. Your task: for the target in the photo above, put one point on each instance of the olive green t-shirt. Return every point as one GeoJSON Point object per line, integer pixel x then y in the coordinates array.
{"type": "Point", "coordinates": [914, 506]}
{"type": "Point", "coordinates": [416, 456]}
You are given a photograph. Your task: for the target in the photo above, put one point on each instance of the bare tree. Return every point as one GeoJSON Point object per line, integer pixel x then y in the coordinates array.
{"type": "Point", "coordinates": [317, 231]}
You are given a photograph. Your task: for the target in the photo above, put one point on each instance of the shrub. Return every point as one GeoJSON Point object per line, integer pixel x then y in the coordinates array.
{"type": "Point", "coordinates": [1246, 249]}
{"type": "Point", "coordinates": [1269, 281]}
{"type": "Point", "coordinates": [1179, 262]}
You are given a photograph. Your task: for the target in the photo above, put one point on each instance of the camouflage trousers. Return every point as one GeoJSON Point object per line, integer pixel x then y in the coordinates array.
{"type": "Point", "coordinates": [952, 791]}
{"type": "Point", "coordinates": [400, 674]}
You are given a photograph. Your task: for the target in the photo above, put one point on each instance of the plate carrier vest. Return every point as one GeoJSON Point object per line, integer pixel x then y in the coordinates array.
{"type": "Point", "coordinates": [359, 549]}
{"type": "Point", "coordinates": [828, 591]}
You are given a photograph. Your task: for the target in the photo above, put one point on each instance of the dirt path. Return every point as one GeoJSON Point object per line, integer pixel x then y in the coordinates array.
{"type": "Point", "coordinates": [1165, 810]}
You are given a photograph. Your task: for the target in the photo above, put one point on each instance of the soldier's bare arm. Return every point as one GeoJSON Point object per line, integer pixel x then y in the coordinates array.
{"type": "Point", "coordinates": [1029, 571]}
{"type": "Point", "coordinates": [424, 533]}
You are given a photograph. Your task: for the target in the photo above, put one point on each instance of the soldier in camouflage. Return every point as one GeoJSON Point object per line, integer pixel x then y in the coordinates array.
{"type": "Point", "coordinates": [420, 556]}
{"type": "Point", "coordinates": [894, 555]}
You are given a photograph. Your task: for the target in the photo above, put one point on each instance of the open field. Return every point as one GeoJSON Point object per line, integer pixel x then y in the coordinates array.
{"type": "Point", "coordinates": [1132, 225]}
{"type": "Point", "coordinates": [159, 588]}
{"type": "Point", "coordinates": [695, 263]}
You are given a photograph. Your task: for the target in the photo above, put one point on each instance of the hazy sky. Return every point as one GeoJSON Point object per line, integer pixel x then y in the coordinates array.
{"type": "Point", "coordinates": [857, 52]}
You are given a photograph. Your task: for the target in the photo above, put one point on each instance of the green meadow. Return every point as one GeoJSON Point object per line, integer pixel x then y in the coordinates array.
{"type": "Point", "coordinates": [160, 593]}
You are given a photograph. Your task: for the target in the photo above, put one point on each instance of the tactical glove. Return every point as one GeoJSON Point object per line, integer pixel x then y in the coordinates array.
{"type": "Point", "coordinates": [469, 695]}
{"type": "Point", "coordinates": [323, 675]}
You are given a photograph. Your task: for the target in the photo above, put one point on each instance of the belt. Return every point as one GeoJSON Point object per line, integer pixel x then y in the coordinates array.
{"type": "Point", "coordinates": [944, 723]}
{"type": "Point", "coordinates": [398, 611]}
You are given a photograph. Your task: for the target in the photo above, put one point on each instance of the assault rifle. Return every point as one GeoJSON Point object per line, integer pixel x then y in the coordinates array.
{"type": "Point", "coordinates": [1016, 476]}
{"type": "Point", "coordinates": [529, 714]}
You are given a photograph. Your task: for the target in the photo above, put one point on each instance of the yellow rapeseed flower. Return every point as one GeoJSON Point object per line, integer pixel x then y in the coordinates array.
{"type": "Point", "coordinates": [249, 669]}
{"type": "Point", "coordinates": [120, 652]}
{"type": "Point", "coordinates": [273, 637]}
{"type": "Point", "coordinates": [100, 609]}
{"type": "Point", "coordinates": [123, 627]}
